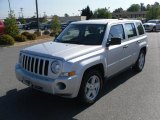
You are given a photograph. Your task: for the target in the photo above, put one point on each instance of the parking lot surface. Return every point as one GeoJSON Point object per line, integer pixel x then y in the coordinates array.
{"type": "Point", "coordinates": [128, 96]}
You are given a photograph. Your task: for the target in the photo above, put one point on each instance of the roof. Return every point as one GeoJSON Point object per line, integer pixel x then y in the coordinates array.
{"type": "Point", "coordinates": [103, 21]}
{"type": "Point", "coordinates": [154, 20]}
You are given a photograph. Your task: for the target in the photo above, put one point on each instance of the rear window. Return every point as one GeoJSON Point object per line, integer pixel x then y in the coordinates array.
{"type": "Point", "coordinates": [140, 28]}
{"type": "Point", "coordinates": [131, 30]}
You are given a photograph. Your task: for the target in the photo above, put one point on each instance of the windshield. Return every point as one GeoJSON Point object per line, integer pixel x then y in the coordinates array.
{"type": "Point", "coordinates": [152, 21]}
{"type": "Point", "coordinates": [86, 34]}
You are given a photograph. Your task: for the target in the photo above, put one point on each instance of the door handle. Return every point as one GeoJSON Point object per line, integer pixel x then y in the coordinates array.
{"type": "Point", "coordinates": [125, 46]}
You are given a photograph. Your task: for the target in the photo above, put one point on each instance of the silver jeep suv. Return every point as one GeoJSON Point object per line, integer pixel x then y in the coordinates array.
{"type": "Point", "coordinates": [77, 62]}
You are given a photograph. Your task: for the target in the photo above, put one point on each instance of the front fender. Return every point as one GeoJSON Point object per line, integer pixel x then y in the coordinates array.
{"type": "Point", "coordinates": [81, 66]}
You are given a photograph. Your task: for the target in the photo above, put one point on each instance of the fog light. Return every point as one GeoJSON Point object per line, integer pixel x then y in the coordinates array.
{"type": "Point", "coordinates": [61, 86]}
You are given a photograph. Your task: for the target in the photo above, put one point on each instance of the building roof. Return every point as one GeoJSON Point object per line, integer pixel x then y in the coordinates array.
{"type": "Point", "coordinates": [129, 13]}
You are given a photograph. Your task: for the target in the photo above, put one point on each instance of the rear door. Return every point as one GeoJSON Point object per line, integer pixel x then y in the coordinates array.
{"type": "Point", "coordinates": [130, 46]}
{"type": "Point", "coordinates": [134, 35]}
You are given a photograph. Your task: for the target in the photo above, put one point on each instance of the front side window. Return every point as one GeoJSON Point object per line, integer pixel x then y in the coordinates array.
{"type": "Point", "coordinates": [131, 30]}
{"type": "Point", "coordinates": [116, 31]}
{"type": "Point", "coordinates": [140, 28]}
{"type": "Point", "coordinates": [86, 34]}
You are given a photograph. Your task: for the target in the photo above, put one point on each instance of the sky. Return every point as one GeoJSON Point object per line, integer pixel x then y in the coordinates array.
{"type": "Point", "coordinates": [60, 7]}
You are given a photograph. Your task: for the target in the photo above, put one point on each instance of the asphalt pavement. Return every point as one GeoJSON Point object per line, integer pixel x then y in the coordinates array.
{"type": "Point", "coordinates": [128, 96]}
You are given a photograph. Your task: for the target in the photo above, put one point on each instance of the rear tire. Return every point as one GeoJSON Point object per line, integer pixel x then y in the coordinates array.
{"type": "Point", "coordinates": [90, 87]}
{"type": "Point", "coordinates": [139, 65]}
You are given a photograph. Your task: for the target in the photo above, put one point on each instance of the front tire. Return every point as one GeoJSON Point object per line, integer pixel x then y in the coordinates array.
{"type": "Point", "coordinates": [90, 87]}
{"type": "Point", "coordinates": [154, 29]}
{"type": "Point", "coordinates": [138, 67]}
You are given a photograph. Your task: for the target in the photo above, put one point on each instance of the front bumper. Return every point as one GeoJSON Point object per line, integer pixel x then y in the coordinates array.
{"type": "Point", "coordinates": [48, 85]}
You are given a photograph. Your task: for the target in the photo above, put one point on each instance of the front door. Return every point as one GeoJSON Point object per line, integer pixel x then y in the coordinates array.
{"type": "Point", "coordinates": [115, 53]}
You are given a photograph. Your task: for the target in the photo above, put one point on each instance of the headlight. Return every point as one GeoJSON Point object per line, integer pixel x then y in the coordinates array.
{"type": "Point", "coordinates": [56, 67]}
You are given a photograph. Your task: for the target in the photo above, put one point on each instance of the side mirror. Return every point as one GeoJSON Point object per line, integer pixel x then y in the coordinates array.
{"type": "Point", "coordinates": [114, 41]}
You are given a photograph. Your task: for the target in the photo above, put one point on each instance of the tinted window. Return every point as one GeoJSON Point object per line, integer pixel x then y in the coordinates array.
{"type": "Point", "coordinates": [86, 34]}
{"type": "Point", "coordinates": [140, 28]}
{"type": "Point", "coordinates": [131, 31]}
{"type": "Point", "coordinates": [116, 31]}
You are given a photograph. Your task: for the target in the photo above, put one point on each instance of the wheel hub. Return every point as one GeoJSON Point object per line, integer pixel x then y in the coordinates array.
{"type": "Point", "coordinates": [92, 87]}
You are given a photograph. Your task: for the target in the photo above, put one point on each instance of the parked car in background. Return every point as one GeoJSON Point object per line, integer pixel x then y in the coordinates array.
{"type": "Point", "coordinates": [2, 26]}
{"type": "Point", "coordinates": [64, 25]}
{"type": "Point", "coordinates": [45, 26]}
{"type": "Point", "coordinates": [77, 62]}
{"type": "Point", "coordinates": [30, 25]}
{"type": "Point", "coordinates": [152, 25]}
{"type": "Point", "coordinates": [20, 26]}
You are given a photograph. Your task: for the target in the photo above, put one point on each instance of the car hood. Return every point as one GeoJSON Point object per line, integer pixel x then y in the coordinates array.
{"type": "Point", "coordinates": [61, 50]}
{"type": "Point", "coordinates": [149, 24]}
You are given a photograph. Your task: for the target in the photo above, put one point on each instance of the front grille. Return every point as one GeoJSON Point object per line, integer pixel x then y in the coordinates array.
{"type": "Point", "coordinates": [35, 64]}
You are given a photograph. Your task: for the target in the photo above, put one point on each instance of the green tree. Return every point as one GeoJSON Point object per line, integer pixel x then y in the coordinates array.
{"type": "Point", "coordinates": [11, 26]}
{"type": "Point", "coordinates": [87, 12]}
{"type": "Point", "coordinates": [33, 16]}
{"type": "Point", "coordinates": [148, 7]}
{"type": "Point", "coordinates": [134, 8]}
{"type": "Point", "coordinates": [66, 15]}
{"type": "Point", "coordinates": [102, 13]}
{"type": "Point", "coordinates": [118, 10]}
{"type": "Point", "coordinates": [55, 24]}
{"type": "Point", "coordinates": [156, 4]}
{"type": "Point", "coordinates": [143, 8]}
{"type": "Point", "coordinates": [11, 14]}
{"type": "Point", "coordinates": [153, 12]}
{"type": "Point", "coordinates": [22, 20]}
{"type": "Point", "coordinates": [43, 19]}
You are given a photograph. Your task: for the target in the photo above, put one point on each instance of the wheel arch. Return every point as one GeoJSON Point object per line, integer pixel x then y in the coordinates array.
{"type": "Point", "coordinates": [144, 49]}
{"type": "Point", "coordinates": [99, 67]}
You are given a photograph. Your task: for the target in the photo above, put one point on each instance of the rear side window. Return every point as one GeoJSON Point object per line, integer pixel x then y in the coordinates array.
{"type": "Point", "coordinates": [116, 31]}
{"type": "Point", "coordinates": [140, 28]}
{"type": "Point", "coordinates": [131, 30]}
